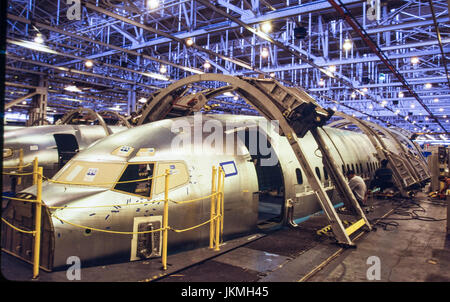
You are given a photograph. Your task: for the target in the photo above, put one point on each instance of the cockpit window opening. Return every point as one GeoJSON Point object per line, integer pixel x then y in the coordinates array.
{"type": "Point", "coordinates": [137, 171]}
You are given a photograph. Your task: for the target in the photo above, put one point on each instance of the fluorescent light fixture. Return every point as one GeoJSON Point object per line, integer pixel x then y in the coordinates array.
{"type": "Point", "coordinates": [155, 76]}
{"type": "Point", "coordinates": [142, 100]}
{"type": "Point", "coordinates": [365, 89]}
{"type": "Point", "coordinates": [321, 82]}
{"type": "Point", "coordinates": [428, 85]}
{"type": "Point", "coordinates": [162, 69]}
{"type": "Point", "coordinates": [436, 100]}
{"type": "Point", "coordinates": [383, 103]}
{"type": "Point", "coordinates": [272, 74]}
{"type": "Point", "coordinates": [441, 109]}
{"type": "Point", "coordinates": [88, 63]}
{"type": "Point", "coordinates": [39, 38]}
{"type": "Point", "coordinates": [353, 95]}
{"type": "Point", "coordinates": [347, 44]}
{"type": "Point", "coordinates": [72, 88]}
{"type": "Point", "coordinates": [228, 94]}
{"type": "Point", "coordinates": [412, 106]}
{"type": "Point", "coordinates": [400, 94]}
{"type": "Point", "coordinates": [264, 52]}
{"type": "Point", "coordinates": [266, 27]}
{"type": "Point", "coordinates": [207, 65]}
{"type": "Point", "coordinates": [32, 46]}
{"type": "Point", "coordinates": [332, 68]}
{"type": "Point", "coordinates": [152, 4]}
{"type": "Point", "coordinates": [189, 42]}
{"type": "Point", "coordinates": [414, 60]}
{"type": "Point", "coordinates": [235, 98]}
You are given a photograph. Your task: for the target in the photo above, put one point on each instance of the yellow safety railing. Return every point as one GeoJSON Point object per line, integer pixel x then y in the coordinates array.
{"type": "Point", "coordinates": [37, 180]}
{"type": "Point", "coordinates": [215, 221]}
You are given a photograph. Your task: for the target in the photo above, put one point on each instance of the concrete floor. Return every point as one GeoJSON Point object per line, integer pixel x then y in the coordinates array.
{"type": "Point", "coordinates": [412, 252]}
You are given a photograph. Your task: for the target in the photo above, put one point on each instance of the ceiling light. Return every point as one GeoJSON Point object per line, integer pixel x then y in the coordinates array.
{"type": "Point", "coordinates": [353, 95]}
{"type": "Point", "coordinates": [426, 118]}
{"type": "Point", "coordinates": [72, 88]}
{"type": "Point", "coordinates": [207, 65]}
{"type": "Point", "coordinates": [445, 116]}
{"type": "Point", "coordinates": [235, 98]}
{"type": "Point", "coordinates": [189, 42]}
{"type": "Point", "coordinates": [272, 74]}
{"type": "Point", "coordinates": [264, 52]}
{"type": "Point", "coordinates": [365, 89]}
{"type": "Point", "coordinates": [142, 100]}
{"type": "Point", "coordinates": [412, 106]}
{"type": "Point", "coordinates": [414, 60]}
{"type": "Point", "coordinates": [436, 100]}
{"type": "Point", "coordinates": [152, 4]}
{"type": "Point", "coordinates": [9, 110]}
{"type": "Point", "coordinates": [441, 109]}
{"type": "Point", "coordinates": [163, 69]}
{"type": "Point", "coordinates": [347, 44]}
{"type": "Point", "coordinates": [400, 94]}
{"type": "Point", "coordinates": [266, 27]}
{"type": "Point", "coordinates": [39, 38]}
{"type": "Point", "coordinates": [332, 68]}
{"type": "Point", "coordinates": [321, 82]}
{"type": "Point", "coordinates": [383, 103]}
{"type": "Point", "coordinates": [446, 121]}
{"type": "Point", "coordinates": [88, 63]}
{"type": "Point", "coordinates": [370, 106]}
{"type": "Point", "coordinates": [397, 111]}
{"type": "Point", "coordinates": [24, 102]}
{"type": "Point", "coordinates": [428, 85]}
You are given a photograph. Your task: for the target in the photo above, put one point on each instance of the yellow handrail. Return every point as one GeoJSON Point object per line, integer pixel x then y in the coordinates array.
{"type": "Point", "coordinates": [102, 184]}
{"type": "Point", "coordinates": [16, 228]}
{"type": "Point", "coordinates": [215, 221]}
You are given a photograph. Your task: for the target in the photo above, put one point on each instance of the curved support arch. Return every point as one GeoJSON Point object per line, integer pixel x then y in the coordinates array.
{"type": "Point", "coordinates": [121, 118]}
{"type": "Point", "coordinates": [160, 103]}
{"type": "Point", "coordinates": [296, 112]}
{"type": "Point", "coordinates": [36, 122]}
{"type": "Point", "coordinates": [69, 116]}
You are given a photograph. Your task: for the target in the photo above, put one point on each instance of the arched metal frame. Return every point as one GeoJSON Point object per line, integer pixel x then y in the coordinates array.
{"type": "Point", "coordinates": [413, 165]}
{"type": "Point", "coordinates": [67, 118]}
{"type": "Point", "coordinates": [292, 108]}
{"type": "Point", "coordinates": [119, 117]}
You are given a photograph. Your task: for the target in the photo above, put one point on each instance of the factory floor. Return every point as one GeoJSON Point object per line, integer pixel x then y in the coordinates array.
{"type": "Point", "coordinates": [407, 250]}
{"type": "Point", "coordinates": [414, 251]}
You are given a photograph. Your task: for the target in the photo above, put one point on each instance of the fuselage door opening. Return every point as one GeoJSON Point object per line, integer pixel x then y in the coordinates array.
{"type": "Point", "coordinates": [271, 192]}
{"type": "Point", "coordinates": [67, 147]}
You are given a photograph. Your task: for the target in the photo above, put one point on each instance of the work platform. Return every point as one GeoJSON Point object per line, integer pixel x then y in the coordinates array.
{"type": "Point", "coordinates": [415, 250]}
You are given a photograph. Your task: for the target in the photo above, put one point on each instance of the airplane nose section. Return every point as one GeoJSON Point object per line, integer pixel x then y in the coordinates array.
{"type": "Point", "coordinates": [19, 241]}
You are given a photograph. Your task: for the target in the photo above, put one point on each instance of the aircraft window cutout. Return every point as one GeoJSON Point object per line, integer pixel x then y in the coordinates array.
{"type": "Point", "coordinates": [348, 167]}
{"type": "Point", "coordinates": [353, 167]}
{"type": "Point", "coordinates": [325, 173]}
{"type": "Point", "coordinates": [368, 168]}
{"type": "Point", "coordinates": [357, 168]}
{"type": "Point", "coordinates": [361, 168]}
{"type": "Point", "coordinates": [318, 173]}
{"type": "Point", "coordinates": [343, 169]}
{"type": "Point", "coordinates": [137, 171]}
{"type": "Point", "coordinates": [298, 172]}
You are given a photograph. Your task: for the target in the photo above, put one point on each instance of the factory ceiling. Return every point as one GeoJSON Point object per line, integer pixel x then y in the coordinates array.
{"type": "Point", "coordinates": [379, 60]}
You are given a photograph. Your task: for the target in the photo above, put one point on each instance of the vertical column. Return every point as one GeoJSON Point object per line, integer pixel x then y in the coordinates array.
{"type": "Point", "coordinates": [38, 112]}
{"type": "Point", "coordinates": [131, 100]}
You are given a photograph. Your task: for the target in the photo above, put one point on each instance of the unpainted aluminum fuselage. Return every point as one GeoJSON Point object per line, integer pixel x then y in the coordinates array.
{"type": "Point", "coordinates": [241, 202]}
